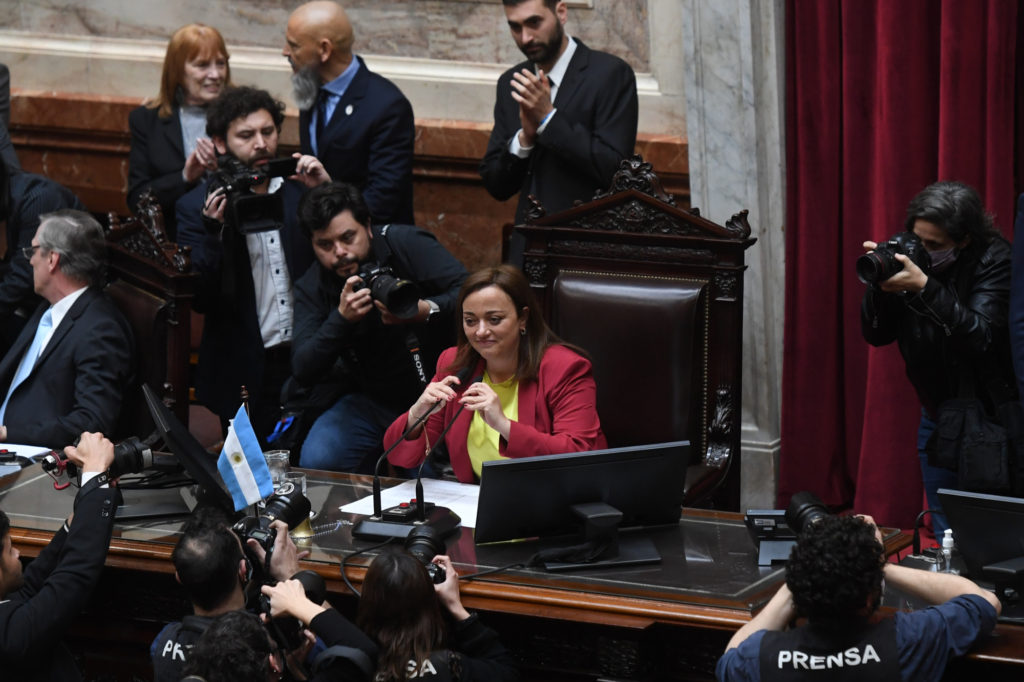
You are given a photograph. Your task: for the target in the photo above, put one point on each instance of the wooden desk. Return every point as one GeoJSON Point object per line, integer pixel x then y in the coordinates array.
{"type": "Point", "coordinates": [646, 622]}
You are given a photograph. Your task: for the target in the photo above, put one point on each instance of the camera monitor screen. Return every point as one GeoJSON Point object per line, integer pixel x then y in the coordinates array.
{"type": "Point", "coordinates": [987, 528]}
{"type": "Point", "coordinates": [533, 496]}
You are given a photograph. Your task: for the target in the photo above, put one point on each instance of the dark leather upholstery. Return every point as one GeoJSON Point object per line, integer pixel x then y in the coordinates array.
{"type": "Point", "coordinates": [640, 334]}
{"type": "Point", "coordinates": [654, 294]}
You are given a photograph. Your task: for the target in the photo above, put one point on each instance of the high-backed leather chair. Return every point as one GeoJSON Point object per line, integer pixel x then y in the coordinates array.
{"type": "Point", "coordinates": [654, 294]}
{"type": "Point", "coordinates": [152, 283]}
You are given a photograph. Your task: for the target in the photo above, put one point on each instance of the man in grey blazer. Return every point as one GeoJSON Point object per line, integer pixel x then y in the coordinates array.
{"type": "Point", "coordinates": [563, 119]}
{"type": "Point", "coordinates": [69, 367]}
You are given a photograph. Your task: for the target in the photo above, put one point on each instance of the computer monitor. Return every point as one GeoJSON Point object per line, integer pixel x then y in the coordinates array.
{"type": "Point", "coordinates": [534, 496]}
{"type": "Point", "coordinates": [198, 463]}
{"type": "Point", "coordinates": [987, 528]}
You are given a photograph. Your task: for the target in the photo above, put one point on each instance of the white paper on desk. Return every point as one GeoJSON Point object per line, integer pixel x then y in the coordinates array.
{"type": "Point", "coordinates": [24, 451]}
{"type": "Point", "coordinates": [461, 498]}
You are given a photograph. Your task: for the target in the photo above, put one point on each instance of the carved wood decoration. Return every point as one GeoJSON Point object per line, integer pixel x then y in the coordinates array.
{"type": "Point", "coordinates": [635, 230]}
{"type": "Point", "coordinates": [141, 255]}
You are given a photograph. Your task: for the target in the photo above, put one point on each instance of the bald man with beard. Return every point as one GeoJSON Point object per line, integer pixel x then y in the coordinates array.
{"type": "Point", "coordinates": [358, 123]}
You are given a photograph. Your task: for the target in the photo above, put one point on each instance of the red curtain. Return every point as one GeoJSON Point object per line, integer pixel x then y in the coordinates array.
{"type": "Point", "coordinates": [883, 97]}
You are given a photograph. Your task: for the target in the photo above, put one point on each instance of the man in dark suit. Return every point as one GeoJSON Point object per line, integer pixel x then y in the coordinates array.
{"type": "Point", "coordinates": [23, 198]}
{"type": "Point", "coordinates": [563, 119]}
{"type": "Point", "coordinates": [359, 124]}
{"type": "Point", "coordinates": [38, 605]}
{"type": "Point", "coordinates": [67, 370]}
{"type": "Point", "coordinates": [246, 271]}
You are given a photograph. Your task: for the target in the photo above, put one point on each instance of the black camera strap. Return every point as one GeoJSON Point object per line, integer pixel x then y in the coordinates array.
{"type": "Point", "coordinates": [412, 342]}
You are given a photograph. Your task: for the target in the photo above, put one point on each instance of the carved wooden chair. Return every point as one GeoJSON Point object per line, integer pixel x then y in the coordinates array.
{"type": "Point", "coordinates": [152, 283]}
{"type": "Point", "coordinates": [654, 294]}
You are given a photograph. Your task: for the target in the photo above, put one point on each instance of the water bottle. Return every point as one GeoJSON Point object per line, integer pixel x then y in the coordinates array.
{"type": "Point", "coordinates": [947, 552]}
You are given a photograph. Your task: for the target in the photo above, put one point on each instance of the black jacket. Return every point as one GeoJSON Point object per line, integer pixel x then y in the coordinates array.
{"type": "Point", "coordinates": [369, 356]}
{"type": "Point", "coordinates": [58, 583]}
{"type": "Point", "coordinates": [955, 327]}
{"type": "Point", "coordinates": [476, 655]}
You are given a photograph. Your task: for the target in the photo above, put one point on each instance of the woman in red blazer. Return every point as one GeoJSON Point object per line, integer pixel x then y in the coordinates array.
{"type": "Point", "coordinates": [529, 393]}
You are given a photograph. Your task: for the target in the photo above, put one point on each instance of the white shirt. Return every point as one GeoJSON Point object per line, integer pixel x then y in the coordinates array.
{"type": "Point", "coordinates": [271, 282]}
{"type": "Point", "coordinates": [556, 74]}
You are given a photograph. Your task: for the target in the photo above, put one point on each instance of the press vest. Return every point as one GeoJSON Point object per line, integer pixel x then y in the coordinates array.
{"type": "Point", "coordinates": [854, 653]}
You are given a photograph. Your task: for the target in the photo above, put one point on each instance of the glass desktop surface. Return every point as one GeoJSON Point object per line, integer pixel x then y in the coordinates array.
{"type": "Point", "coordinates": [705, 559]}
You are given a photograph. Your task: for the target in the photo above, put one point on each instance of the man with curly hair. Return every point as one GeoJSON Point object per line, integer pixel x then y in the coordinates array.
{"type": "Point", "coordinates": [835, 579]}
{"type": "Point", "coordinates": [245, 290]}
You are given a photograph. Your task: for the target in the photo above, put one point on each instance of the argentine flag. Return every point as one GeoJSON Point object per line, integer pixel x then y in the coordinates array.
{"type": "Point", "coordinates": [241, 464]}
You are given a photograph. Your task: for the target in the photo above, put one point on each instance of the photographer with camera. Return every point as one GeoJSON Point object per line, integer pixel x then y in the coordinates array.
{"type": "Point", "coordinates": [209, 562]}
{"type": "Point", "coordinates": [248, 250]}
{"type": "Point", "coordinates": [941, 290]}
{"type": "Point", "coordinates": [835, 578]}
{"type": "Point", "coordinates": [37, 606]}
{"type": "Point", "coordinates": [401, 610]}
{"type": "Point", "coordinates": [371, 317]}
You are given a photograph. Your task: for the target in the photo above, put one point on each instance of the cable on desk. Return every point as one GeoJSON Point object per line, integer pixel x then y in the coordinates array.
{"type": "Point", "coordinates": [344, 561]}
{"type": "Point", "coordinates": [499, 569]}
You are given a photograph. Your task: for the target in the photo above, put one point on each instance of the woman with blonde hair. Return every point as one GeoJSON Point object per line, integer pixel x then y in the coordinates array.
{"type": "Point", "coordinates": [170, 151]}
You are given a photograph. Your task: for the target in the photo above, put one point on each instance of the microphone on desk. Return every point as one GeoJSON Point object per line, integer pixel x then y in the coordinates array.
{"type": "Point", "coordinates": [421, 507]}
{"type": "Point", "coordinates": [376, 526]}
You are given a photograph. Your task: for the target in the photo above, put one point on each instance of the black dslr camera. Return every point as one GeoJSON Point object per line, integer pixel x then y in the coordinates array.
{"type": "Point", "coordinates": [287, 504]}
{"type": "Point", "coordinates": [287, 631]}
{"type": "Point", "coordinates": [804, 510]}
{"type": "Point", "coordinates": [131, 456]}
{"type": "Point", "coordinates": [245, 211]}
{"type": "Point", "coordinates": [399, 296]}
{"type": "Point", "coordinates": [425, 543]}
{"type": "Point", "coordinates": [881, 264]}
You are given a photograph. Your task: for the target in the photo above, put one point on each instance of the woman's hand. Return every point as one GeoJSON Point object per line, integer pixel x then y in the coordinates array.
{"type": "Point", "coordinates": [481, 398]}
{"type": "Point", "coordinates": [202, 159]}
{"type": "Point", "coordinates": [433, 398]}
{"type": "Point", "coordinates": [448, 591]}
{"type": "Point", "coordinates": [289, 598]}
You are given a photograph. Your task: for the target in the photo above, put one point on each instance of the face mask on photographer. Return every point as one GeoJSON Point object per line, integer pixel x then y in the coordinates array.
{"type": "Point", "coordinates": [943, 259]}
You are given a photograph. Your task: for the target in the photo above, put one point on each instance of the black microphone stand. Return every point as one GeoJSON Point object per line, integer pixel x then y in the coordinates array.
{"type": "Point", "coordinates": [398, 522]}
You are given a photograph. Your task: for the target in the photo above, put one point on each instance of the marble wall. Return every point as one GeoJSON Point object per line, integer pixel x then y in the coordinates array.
{"type": "Point", "coordinates": [445, 54]}
{"type": "Point", "coordinates": [735, 91]}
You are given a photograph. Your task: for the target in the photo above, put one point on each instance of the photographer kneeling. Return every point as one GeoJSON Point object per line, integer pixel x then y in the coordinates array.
{"type": "Point", "coordinates": [40, 604]}
{"type": "Point", "coordinates": [835, 578]}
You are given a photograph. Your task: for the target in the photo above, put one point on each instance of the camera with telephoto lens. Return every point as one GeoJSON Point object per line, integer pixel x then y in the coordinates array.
{"type": "Point", "coordinates": [805, 509]}
{"type": "Point", "coordinates": [288, 504]}
{"type": "Point", "coordinates": [245, 210]}
{"type": "Point", "coordinates": [287, 630]}
{"type": "Point", "coordinates": [131, 456]}
{"type": "Point", "coordinates": [881, 264]}
{"type": "Point", "coordinates": [425, 543]}
{"type": "Point", "coordinates": [399, 296]}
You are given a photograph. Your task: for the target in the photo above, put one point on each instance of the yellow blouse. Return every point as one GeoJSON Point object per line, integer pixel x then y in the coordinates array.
{"type": "Point", "coordinates": [482, 441]}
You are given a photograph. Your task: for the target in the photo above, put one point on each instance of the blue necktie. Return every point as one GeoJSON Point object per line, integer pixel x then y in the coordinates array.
{"type": "Point", "coordinates": [28, 360]}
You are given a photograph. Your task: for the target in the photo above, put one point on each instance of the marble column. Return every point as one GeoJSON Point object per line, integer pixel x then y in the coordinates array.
{"type": "Point", "coordinates": [735, 92]}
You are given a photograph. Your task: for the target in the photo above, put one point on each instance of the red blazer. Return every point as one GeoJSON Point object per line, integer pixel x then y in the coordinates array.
{"type": "Point", "coordinates": [557, 414]}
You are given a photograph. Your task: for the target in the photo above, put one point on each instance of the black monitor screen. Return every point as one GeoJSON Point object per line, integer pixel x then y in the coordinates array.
{"type": "Point", "coordinates": [200, 464]}
{"type": "Point", "coordinates": [533, 496]}
{"type": "Point", "coordinates": [986, 528]}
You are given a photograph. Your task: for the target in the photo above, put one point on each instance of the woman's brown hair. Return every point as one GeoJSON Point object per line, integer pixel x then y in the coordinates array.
{"type": "Point", "coordinates": [187, 43]}
{"type": "Point", "coordinates": [400, 611]}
